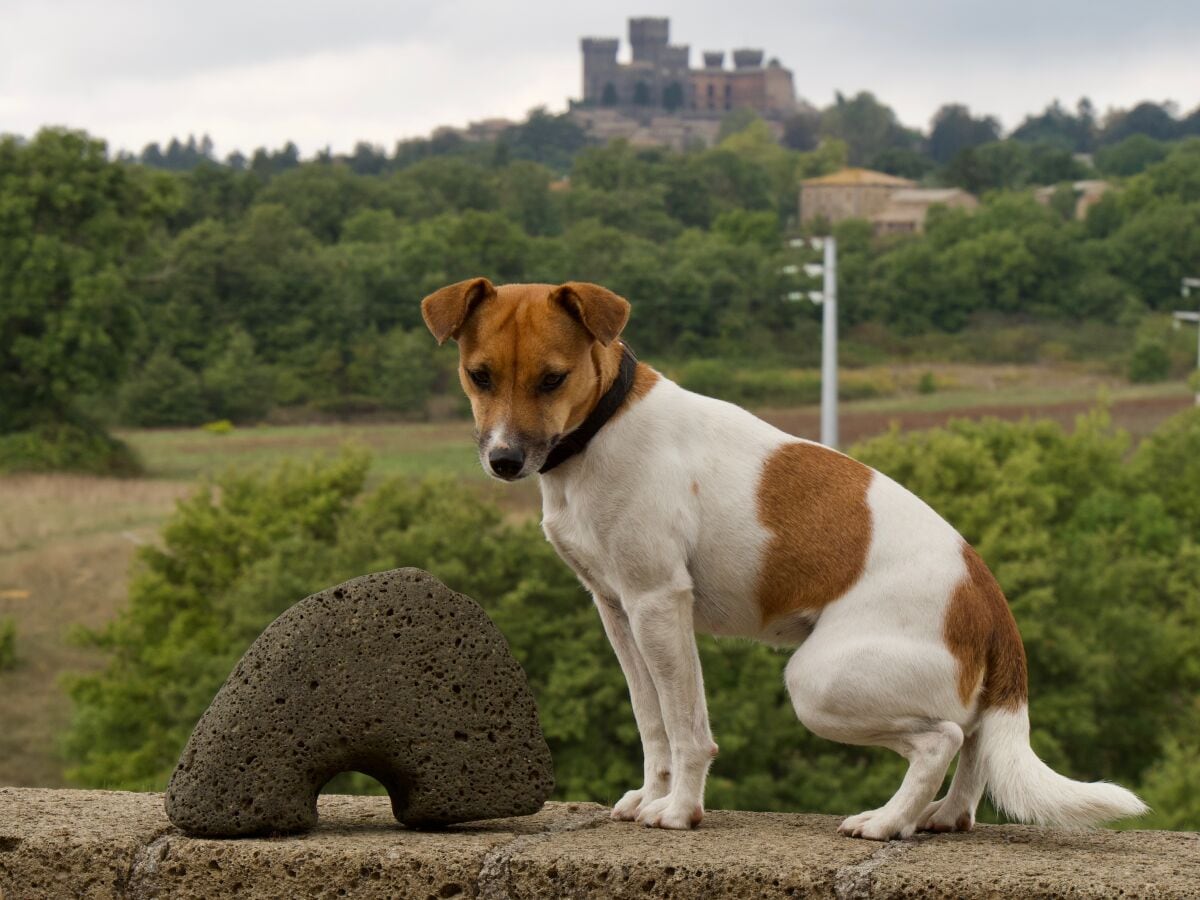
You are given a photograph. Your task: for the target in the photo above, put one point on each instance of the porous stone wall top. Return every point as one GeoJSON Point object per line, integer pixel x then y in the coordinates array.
{"type": "Point", "coordinates": [61, 843]}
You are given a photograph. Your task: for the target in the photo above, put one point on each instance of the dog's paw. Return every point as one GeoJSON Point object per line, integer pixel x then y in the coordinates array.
{"type": "Point", "coordinates": [667, 812]}
{"type": "Point", "coordinates": [940, 818]}
{"type": "Point", "coordinates": [852, 823]}
{"type": "Point", "coordinates": [627, 808]}
{"type": "Point", "coordinates": [877, 825]}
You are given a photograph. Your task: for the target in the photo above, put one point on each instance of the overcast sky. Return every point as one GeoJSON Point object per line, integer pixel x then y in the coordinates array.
{"type": "Point", "coordinates": [332, 72]}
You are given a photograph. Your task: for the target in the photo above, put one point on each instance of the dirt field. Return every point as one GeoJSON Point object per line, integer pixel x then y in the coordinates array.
{"type": "Point", "coordinates": [66, 543]}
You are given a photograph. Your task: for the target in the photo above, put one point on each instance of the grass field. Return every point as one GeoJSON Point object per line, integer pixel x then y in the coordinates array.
{"type": "Point", "coordinates": [67, 542]}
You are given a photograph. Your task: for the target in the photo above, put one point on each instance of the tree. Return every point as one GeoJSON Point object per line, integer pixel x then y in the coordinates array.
{"type": "Point", "coordinates": [1001, 164]}
{"type": "Point", "coordinates": [236, 385]}
{"type": "Point", "coordinates": [802, 130]}
{"type": "Point", "coordinates": [953, 130]}
{"type": "Point", "coordinates": [903, 162]}
{"type": "Point", "coordinates": [1151, 119]}
{"type": "Point", "coordinates": [1131, 155]}
{"type": "Point", "coordinates": [867, 126]}
{"type": "Point", "coordinates": [163, 393]}
{"type": "Point", "coordinates": [1056, 125]}
{"type": "Point", "coordinates": [641, 94]}
{"type": "Point", "coordinates": [75, 233]}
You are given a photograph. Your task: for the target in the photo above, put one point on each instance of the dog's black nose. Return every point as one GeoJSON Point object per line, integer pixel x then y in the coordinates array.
{"type": "Point", "coordinates": [506, 461]}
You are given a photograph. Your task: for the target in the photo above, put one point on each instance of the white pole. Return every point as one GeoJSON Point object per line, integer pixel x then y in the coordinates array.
{"type": "Point", "coordinates": [829, 336]}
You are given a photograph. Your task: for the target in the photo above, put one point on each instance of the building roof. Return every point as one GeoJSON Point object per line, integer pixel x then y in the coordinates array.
{"type": "Point", "coordinates": [859, 176]}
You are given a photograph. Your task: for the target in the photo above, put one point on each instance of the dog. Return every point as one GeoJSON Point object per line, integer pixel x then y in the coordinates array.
{"type": "Point", "coordinates": [681, 513]}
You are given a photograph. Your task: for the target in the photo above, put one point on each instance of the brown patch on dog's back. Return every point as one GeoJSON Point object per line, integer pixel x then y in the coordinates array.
{"type": "Point", "coordinates": [814, 502]}
{"type": "Point", "coordinates": [983, 637]}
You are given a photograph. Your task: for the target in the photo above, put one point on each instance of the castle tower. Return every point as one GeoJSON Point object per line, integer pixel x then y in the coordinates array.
{"type": "Point", "coordinates": [747, 59]}
{"type": "Point", "coordinates": [648, 37]}
{"type": "Point", "coordinates": [600, 70]}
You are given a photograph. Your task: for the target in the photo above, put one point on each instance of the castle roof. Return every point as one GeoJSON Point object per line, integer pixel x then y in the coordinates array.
{"type": "Point", "coordinates": [859, 177]}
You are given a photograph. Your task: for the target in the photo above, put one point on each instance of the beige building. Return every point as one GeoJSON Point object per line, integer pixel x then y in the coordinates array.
{"type": "Point", "coordinates": [893, 205]}
{"type": "Point", "coordinates": [907, 208]}
{"type": "Point", "coordinates": [848, 194]}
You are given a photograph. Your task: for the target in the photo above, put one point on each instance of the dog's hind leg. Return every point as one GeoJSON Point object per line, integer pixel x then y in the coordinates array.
{"type": "Point", "coordinates": [656, 750]}
{"type": "Point", "coordinates": [879, 695]}
{"type": "Point", "coordinates": [956, 811]}
{"type": "Point", "coordinates": [929, 751]}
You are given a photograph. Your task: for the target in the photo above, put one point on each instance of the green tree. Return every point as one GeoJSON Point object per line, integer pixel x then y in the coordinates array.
{"type": "Point", "coordinates": [75, 232]}
{"type": "Point", "coordinates": [1130, 156]}
{"type": "Point", "coordinates": [954, 129]}
{"type": "Point", "coordinates": [867, 126]}
{"type": "Point", "coordinates": [164, 392]}
{"type": "Point", "coordinates": [236, 385]}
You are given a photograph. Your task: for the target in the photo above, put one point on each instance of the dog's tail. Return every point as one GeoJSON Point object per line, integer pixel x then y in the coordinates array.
{"type": "Point", "coordinates": [1028, 790]}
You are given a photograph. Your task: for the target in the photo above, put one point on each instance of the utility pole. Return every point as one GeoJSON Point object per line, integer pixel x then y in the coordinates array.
{"type": "Point", "coordinates": [827, 298]}
{"type": "Point", "coordinates": [1185, 290]}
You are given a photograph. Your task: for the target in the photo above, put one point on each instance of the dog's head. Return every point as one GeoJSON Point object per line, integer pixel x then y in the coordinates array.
{"type": "Point", "coordinates": [531, 359]}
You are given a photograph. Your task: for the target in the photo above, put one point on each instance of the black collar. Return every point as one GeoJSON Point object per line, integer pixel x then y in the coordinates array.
{"type": "Point", "coordinates": [577, 440]}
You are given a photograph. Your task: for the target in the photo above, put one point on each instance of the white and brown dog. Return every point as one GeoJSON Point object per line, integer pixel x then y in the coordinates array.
{"type": "Point", "coordinates": [682, 513]}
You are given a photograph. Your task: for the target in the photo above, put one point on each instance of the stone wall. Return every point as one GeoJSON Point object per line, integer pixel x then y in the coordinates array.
{"type": "Point", "coordinates": [56, 843]}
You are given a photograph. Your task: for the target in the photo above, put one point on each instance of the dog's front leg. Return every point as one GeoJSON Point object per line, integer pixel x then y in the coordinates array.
{"type": "Point", "coordinates": [656, 751]}
{"type": "Point", "coordinates": [663, 631]}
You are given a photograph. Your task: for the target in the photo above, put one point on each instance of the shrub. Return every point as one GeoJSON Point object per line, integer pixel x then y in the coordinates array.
{"type": "Point", "coordinates": [74, 446]}
{"type": "Point", "coordinates": [220, 427]}
{"type": "Point", "coordinates": [1098, 559]}
{"type": "Point", "coordinates": [1149, 362]}
{"type": "Point", "coordinates": [8, 644]}
{"type": "Point", "coordinates": [927, 383]}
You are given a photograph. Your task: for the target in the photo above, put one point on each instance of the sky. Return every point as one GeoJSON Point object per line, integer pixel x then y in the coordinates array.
{"type": "Point", "coordinates": [329, 73]}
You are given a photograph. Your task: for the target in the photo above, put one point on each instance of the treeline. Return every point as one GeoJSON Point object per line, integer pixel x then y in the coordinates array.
{"type": "Point", "coordinates": [138, 296]}
{"type": "Point", "coordinates": [1095, 547]}
{"type": "Point", "coordinates": [969, 151]}
{"type": "Point", "coordinates": [957, 148]}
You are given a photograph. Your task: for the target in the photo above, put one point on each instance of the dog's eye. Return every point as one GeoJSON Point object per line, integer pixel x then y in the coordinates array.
{"type": "Point", "coordinates": [553, 380]}
{"type": "Point", "coordinates": [481, 377]}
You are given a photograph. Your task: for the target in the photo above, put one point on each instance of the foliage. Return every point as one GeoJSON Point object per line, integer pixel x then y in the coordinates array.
{"type": "Point", "coordinates": [76, 445]}
{"type": "Point", "coordinates": [163, 393]}
{"type": "Point", "coordinates": [8, 644]}
{"type": "Point", "coordinates": [954, 129]}
{"type": "Point", "coordinates": [1130, 156]}
{"type": "Point", "coordinates": [867, 126]}
{"type": "Point", "coordinates": [1149, 362]}
{"type": "Point", "coordinates": [1099, 561]}
{"type": "Point", "coordinates": [72, 227]}
{"type": "Point", "coordinates": [218, 292]}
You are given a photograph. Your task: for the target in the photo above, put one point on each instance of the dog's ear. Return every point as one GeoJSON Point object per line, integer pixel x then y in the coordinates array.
{"type": "Point", "coordinates": [447, 309]}
{"type": "Point", "coordinates": [597, 309]}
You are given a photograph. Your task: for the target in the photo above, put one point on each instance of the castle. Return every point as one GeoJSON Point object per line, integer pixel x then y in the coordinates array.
{"type": "Point", "coordinates": [659, 78]}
